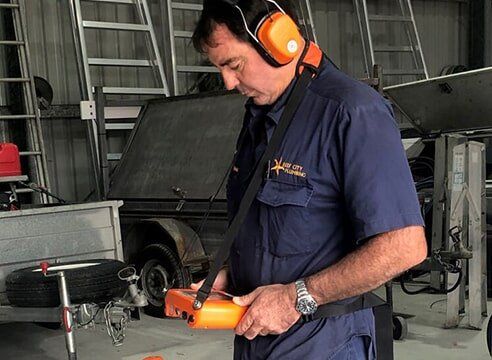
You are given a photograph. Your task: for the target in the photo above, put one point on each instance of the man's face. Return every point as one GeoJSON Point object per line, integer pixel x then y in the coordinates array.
{"type": "Point", "coordinates": [242, 68]}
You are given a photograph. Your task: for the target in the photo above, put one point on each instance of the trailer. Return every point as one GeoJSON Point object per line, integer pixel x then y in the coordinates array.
{"type": "Point", "coordinates": [62, 265]}
{"type": "Point", "coordinates": [169, 177]}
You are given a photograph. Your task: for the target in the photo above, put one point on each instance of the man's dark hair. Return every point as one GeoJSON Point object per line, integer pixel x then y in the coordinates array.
{"type": "Point", "coordinates": [222, 12]}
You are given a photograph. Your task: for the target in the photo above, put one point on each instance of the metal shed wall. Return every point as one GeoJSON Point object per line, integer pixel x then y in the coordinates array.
{"type": "Point", "coordinates": [442, 25]}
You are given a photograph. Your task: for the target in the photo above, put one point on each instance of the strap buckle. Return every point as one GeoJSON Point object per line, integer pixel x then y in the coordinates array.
{"type": "Point", "coordinates": [201, 296]}
{"type": "Point", "coordinates": [311, 58]}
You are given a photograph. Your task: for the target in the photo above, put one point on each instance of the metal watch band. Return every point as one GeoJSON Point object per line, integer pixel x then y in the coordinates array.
{"type": "Point", "coordinates": [301, 289]}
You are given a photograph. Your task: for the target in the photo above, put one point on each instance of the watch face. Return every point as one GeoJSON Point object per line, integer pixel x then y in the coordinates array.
{"type": "Point", "coordinates": [307, 306]}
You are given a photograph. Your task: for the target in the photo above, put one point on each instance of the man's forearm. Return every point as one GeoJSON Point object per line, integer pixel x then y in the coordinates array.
{"type": "Point", "coordinates": [379, 260]}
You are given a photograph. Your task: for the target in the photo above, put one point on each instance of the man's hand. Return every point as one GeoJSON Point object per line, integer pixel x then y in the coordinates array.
{"type": "Point", "coordinates": [271, 311]}
{"type": "Point", "coordinates": [220, 282]}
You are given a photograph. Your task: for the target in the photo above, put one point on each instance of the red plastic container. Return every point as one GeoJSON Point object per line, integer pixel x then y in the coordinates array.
{"type": "Point", "coordinates": [9, 160]}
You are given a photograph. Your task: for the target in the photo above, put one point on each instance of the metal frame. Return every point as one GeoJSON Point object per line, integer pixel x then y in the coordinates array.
{"type": "Point", "coordinates": [459, 200]}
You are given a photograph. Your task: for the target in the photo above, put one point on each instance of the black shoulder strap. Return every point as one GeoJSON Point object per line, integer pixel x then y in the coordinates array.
{"type": "Point", "coordinates": [361, 302]}
{"type": "Point", "coordinates": [292, 104]}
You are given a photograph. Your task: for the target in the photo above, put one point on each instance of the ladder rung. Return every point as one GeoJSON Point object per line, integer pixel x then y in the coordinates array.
{"type": "Point", "coordinates": [133, 90]}
{"type": "Point", "coordinates": [14, 117]}
{"type": "Point", "coordinates": [183, 34]}
{"type": "Point", "coordinates": [185, 6]}
{"type": "Point", "coordinates": [197, 69]}
{"type": "Point", "coordinates": [390, 18]}
{"type": "Point", "coordinates": [121, 112]}
{"type": "Point", "coordinates": [404, 72]}
{"type": "Point", "coordinates": [11, 42]}
{"type": "Point", "coordinates": [118, 62]}
{"type": "Point", "coordinates": [114, 26]}
{"type": "Point", "coordinates": [9, 6]}
{"type": "Point", "coordinates": [14, 80]}
{"type": "Point", "coordinates": [114, 156]}
{"type": "Point", "coordinates": [393, 49]}
{"type": "Point", "coordinates": [114, 1]}
{"type": "Point", "coordinates": [30, 153]}
{"type": "Point", "coordinates": [119, 126]}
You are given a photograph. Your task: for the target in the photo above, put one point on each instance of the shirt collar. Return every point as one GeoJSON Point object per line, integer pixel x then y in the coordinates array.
{"type": "Point", "coordinates": [274, 112]}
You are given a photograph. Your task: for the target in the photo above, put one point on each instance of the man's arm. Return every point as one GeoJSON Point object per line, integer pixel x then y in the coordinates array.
{"type": "Point", "coordinates": [379, 260]}
{"type": "Point", "coordinates": [272, 308]}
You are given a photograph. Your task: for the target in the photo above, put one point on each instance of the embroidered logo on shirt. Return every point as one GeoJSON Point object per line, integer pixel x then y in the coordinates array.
{"type": "Point", "coordinates": [288, 168]}
{"type": "Point", "coordinates": [278, 166]}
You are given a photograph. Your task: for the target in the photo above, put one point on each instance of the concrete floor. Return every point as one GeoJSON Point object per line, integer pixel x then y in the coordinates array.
{"type": "Point", "coordinates": [173, 340]}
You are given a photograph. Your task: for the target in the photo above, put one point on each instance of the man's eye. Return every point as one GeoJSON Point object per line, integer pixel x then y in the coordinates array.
{"type": "Point", "coordinates": [235, 66]}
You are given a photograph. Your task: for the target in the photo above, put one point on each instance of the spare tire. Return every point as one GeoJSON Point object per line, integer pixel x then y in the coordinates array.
{"type": "Point", "coordinates": [88, 281]}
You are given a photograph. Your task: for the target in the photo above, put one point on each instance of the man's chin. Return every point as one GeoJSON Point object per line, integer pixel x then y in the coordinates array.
{"type": "Point", "coordinates": [260, 100]}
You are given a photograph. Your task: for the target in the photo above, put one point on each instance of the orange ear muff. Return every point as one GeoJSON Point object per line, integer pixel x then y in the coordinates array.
{"type": "Point", "coordinates": [279, 36]}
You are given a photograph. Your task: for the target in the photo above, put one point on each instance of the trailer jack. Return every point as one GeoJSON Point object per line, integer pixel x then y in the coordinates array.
{"type": "Point", "coordinates": [114, 314]}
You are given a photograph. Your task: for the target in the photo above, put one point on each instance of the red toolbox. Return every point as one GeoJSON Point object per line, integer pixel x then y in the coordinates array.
{"type": "Point", "coordinates": [9, 160]}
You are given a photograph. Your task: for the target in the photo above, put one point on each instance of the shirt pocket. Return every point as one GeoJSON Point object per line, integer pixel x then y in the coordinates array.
{"type": "Point", "coordinates": [284, 217]}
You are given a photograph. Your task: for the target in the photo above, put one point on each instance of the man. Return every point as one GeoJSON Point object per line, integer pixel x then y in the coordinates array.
{"type": "Point", "coordinates": [337, 214]}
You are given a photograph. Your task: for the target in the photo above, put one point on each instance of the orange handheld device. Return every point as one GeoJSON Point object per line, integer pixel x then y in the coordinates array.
{"type": "Point", "coordinates": [217, 312]}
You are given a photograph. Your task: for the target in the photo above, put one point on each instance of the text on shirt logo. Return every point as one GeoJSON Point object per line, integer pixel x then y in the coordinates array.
{"type": "Point", "coordinates": [288, 168]}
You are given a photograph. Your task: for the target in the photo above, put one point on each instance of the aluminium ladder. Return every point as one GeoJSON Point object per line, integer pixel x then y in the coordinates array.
{"type": "Point", "coordinates": [153, 61]}
{"type": "Point", "coordinates": [36, 152]}
{"type": "Point", "coordinates": [145, 26]}
{"type": "Point", "coordinates": [413, 47]}
{"type": "Point", "coordinates": [305, 19]}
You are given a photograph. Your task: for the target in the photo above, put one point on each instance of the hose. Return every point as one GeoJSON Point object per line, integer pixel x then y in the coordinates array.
{"type": "Point", "coordinates": [430, 288]}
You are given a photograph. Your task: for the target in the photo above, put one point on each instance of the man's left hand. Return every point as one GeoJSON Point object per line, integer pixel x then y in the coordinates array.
{"type": "Point", "coordinates": [271, 311]}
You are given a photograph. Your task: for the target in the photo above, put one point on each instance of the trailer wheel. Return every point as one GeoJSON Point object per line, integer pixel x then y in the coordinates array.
{"type": "Point", "coordinates": [159, 265]}
{"type": "Point", "coordinates": [88, 281]}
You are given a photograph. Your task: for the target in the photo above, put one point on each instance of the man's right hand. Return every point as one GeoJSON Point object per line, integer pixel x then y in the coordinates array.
{"type": "Point", "coordinates": [220, 283]}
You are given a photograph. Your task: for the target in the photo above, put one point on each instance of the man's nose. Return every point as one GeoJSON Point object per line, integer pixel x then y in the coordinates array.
{"type": "Point", "coordinates": [230, 79]}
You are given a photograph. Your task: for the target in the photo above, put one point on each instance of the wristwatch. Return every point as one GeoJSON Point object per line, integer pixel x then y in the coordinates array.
{"type": "Point", "coordinates": [305, 305]}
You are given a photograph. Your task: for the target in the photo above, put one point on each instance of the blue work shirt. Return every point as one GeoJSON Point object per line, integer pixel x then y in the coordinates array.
{"type": "Point", "coordinates": [339, 177]}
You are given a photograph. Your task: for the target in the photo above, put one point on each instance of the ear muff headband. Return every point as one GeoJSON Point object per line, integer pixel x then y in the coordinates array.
{"type": "Point", "coordinates": [276, 35]}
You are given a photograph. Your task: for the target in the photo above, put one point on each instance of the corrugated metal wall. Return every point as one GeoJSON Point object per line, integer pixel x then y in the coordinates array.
{"type": "Point", "coordinates": [67, 152]}
{"type": "Point", "coordinates": [442, 26]}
